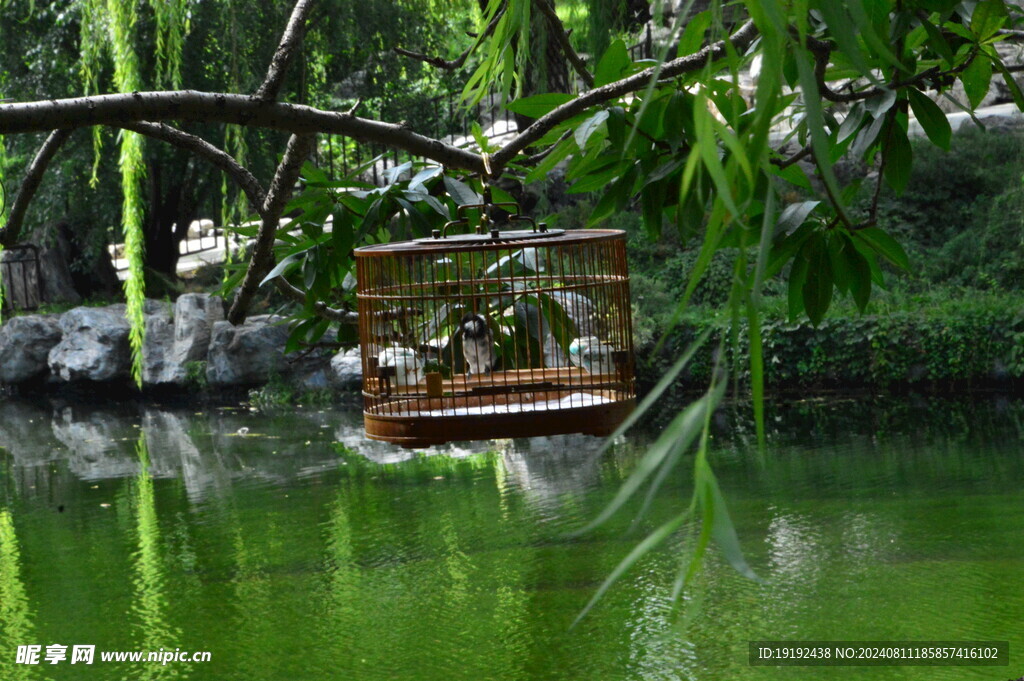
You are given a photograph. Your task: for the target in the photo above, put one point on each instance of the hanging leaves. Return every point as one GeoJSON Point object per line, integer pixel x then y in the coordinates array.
{"type": "Point", "coordinates": [128, 78]}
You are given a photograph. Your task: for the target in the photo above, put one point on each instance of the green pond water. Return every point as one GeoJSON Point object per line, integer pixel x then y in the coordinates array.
{"type": "Point", "coordinates": [297, 550]}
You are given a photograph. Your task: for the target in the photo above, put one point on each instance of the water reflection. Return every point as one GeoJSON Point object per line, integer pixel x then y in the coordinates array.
{"type": "Point", "coordinates": [291, 547]}
{"type": "Point", "coordinates": [149, 604]}
{"type": "Point", "coordinates": [208, 452]}
{"type": "Point", "coordinates": [15, 616]}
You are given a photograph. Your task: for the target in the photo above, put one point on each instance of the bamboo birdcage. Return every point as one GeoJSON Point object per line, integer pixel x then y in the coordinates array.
{"type": "Point", "coordinates": [557, 303]}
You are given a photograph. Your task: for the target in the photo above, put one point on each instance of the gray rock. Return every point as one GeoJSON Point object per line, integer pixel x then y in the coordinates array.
{"type": "Point", "coordinates": [347, 370]}
{"type": "Point", "coordinates": [155, 349]}
{"type": "Point", "coordinates": [25, 343]}
{"type": "Point", "coordinates": [171, 346]}
{"type": "Point", "coordinates": [247, 354]}
{"type": "Point", "coordinates": [311, 372]}
{"type": "Point", "coordinates": [94, 345]}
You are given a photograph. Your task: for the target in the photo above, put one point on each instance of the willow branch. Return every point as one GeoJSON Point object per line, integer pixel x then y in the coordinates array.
{"type": "Point", "coordinates": [33, 176]}
{"type": "Point", "coordinates": [262, 259]}
{"type": "Point", "coordinates": [562, 36]}
{"type": "Point", "coordinates": [200, 147]}
{"type": "Point", "coordinates": [458, 62]}
{"type": "Point", "coordinates": [320, 308]}
{"type": "Point", "coordinates": [740, 40]}
{"type": "Point", "coordinates": [286, 49]}
{"type": "Point", "coordinates": [212, 107]}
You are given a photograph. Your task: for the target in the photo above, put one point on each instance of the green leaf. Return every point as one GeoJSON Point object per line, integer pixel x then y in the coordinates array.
{"type": "Point", "coordinates": [639, 551]}
{"type": "Point", "coordinates": [423, 176]}
{"type": "Point", "coordinates": [820, 140]}
{"type": "Point", "coordinates": [794, 215]}
{"type": "Point", "coordinates": [988, 17]}
{"type": "Point", "coordinates": [536, 106]}
{"type": "Point", "coordinates": [860, 276]}
{"type": "Point", "coordinates": [693, 36]}
{"type": "Point", "coordinates": [680, 433]}
{"type": "Point", "coordinates": [933, 121]}
{"type": "Point", "coordinates": [884, 245]}
{"type": "Point", "coordinates": [797, 278]}
{"type": "Point", "coordinates": [841, 28]}
{"type": "Point", "coordinates": [817, 288]}
{"type": "Point", "coordinates": [1011, 85]}
{"type": "Point", "coordinates": [652, 202]}
{"type": "Point", "coordinates": [976, 79]}
{"type": "Point", "coordinates": [615, 198]}
{"type": "Point", "coordinates": [656, 392]}
{"type": "Point", "coordinates": [835, 246]}
{"type": "Point", "coordinates": [898, 157]}
{"type": "Point", "coordinates": [460, 192]}
{"type": "Point", "coordinates": [937, 42]}
{"type": "Point", "coordinates": [793, 174]}
{"type": "Point", "coordinates": [599, 178]}
{"type": "Point", "coordinates": [722, 529]}
{"type": "Point", "coordinates": [584, 132]}
{"type": "Point", "coordinates": [613, 64]}
{"type": "Point", "coordinates": [281, 267]}
{"type": "Point", "coordinates": [877, 105]}
{"type": "Point", "coordinates": [548, 163]}
{"type": "Point", "coordinates": [867, 31]}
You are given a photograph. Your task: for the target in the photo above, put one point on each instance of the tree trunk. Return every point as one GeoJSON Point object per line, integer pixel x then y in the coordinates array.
{"type": "Point", "coordinates": [173, 206]}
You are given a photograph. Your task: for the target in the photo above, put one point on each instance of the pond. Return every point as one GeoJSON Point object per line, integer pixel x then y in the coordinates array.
{"type": "Point", "coordinates": [290, 548]}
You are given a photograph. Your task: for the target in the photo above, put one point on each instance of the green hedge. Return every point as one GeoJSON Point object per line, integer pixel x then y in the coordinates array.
{"type": "Point", "coordinates": [978, 345]}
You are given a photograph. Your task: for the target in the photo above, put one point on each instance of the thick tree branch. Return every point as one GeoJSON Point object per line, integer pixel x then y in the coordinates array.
{"type": "Point", "coordinates": [300, 147]}
{"type": "Point", "coordinates": [457, 63]}
{"type": "Point", "coordinates": [33, 176]}
{"type": "Point", "coordinates": [200, 147]}
{"type": "Point", "coordinates": [210, 107]}
{"type": "Point", "coordinates": [286, 49]}
{"type": "Point", "coordinates": [563, 41]}
{"type": "Point", "coordinates": [740, 40]}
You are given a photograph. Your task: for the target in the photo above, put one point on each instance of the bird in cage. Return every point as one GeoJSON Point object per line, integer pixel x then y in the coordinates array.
{"type": "Point", "coordinates": [477, 343]}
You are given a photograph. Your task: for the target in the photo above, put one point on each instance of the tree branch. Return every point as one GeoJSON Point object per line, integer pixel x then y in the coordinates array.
{"type": "Point", "coordinates": [563, 41]}
{"type": "Point", "coordinates": [457, 63]}
{"type": "Point", "coordinates": [290, 40]}
{"type": "Point", "coordinates": [822, 52]}
{"type": "Point", "coordinates": [200, 147]}
{"type": "Point", "coordinates": [33, 176]}
{"type": "Point", "coordinates": [213, 107]}
{"type": "Point", "coordinates": [740, 40]}
{"type": "Point", "coordinates": [262, 259]}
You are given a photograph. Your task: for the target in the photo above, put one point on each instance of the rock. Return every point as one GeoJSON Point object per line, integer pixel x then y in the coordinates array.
{"type": "Point", "coordinates": [247, 354]}
{"type": "Point", "coordinates": [156, 347]}
{"type": "Point", "coordinates": [311, 372]}
{"type": "Point", "coordinates": [171, 346]}
{"type": "Point", "coordinates": [347, 370]}
{"type": "Point", "coordinates": [94, 345]}
{"type": "Point", "coordinates": [25, 343]}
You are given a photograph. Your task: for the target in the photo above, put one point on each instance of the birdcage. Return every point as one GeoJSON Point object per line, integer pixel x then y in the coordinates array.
{"type": "Point", "coordinates": [497, 333]}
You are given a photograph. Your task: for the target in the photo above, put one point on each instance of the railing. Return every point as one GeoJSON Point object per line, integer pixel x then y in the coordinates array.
{"type": "Point", "coordinates": [21, 277]}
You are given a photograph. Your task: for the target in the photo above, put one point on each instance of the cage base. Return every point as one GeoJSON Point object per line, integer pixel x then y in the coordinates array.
{"type": "Point", "coordinates": [423, 431]}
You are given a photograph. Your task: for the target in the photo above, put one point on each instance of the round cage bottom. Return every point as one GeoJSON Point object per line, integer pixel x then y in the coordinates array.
{"type": "Point", "coordinates": [421, 422]}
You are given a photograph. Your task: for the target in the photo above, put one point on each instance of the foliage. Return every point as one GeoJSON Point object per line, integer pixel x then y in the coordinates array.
{"type": "Point", "coordinates": [917, 340]}
{"type": "Point", "coordinates": [962, 215]}
{"type": "Point", "coordinates": [697, 151]}
{"type": "Point", "coordinates": [195, 375]}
